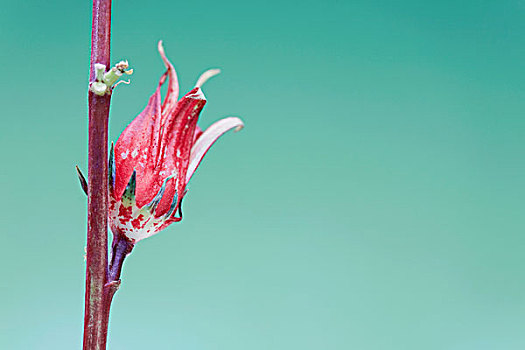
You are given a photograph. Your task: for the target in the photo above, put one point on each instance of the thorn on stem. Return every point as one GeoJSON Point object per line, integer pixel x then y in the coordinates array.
{"type": "Point", "coordinates": [82, 179]}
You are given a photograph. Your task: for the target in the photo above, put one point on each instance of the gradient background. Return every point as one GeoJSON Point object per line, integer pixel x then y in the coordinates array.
{"type": "Point", "coordinates": [375, 199]}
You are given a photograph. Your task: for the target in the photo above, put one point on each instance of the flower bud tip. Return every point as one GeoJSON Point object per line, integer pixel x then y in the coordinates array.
{"type": "Point", "coordinates": [122, 65]}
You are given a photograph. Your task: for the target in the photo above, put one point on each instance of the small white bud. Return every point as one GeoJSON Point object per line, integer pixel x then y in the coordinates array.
{"type": "Point", "coordinates": [98, 88]}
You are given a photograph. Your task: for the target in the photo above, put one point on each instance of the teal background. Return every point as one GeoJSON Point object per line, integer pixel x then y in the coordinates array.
{"type": "Point", "coordinates": [374, 200]}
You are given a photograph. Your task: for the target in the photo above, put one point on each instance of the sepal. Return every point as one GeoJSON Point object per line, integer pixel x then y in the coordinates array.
{"type": "Point", "coordinates": [111, 169]}
{"type": "Point", "coordinates": [128, 197]}
{"type": "Point", "coordinates": [151, 206]}
{"type": "Point", "coordinates": [172, 206]}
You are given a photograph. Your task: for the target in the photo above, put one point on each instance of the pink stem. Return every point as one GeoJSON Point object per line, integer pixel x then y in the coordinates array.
{"type": "Point", "coordinates": [97, 299]}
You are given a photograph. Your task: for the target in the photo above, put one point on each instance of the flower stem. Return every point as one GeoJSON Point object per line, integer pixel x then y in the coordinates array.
{"type": "Point", "coordinates": [96, 297]}
{"type": "Point", "coordinates": [120, 249]}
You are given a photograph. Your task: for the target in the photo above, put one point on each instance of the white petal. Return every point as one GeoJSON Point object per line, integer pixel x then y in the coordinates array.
{"type": "Point", "coordinates": [208, 138]}
{"type": "Point", "coordinates": [207, 75]}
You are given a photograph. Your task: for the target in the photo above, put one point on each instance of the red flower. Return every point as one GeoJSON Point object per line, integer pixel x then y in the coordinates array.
{"type": "Point", "coordinates": [156, 156]}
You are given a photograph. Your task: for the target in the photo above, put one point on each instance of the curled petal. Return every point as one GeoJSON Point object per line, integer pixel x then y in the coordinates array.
{"type": "Point", "coordinates": [207, 75]}
{"type": "Point", "coordinates": [173, 86]}
{"type": "Point", "coordinates": [208, 138]}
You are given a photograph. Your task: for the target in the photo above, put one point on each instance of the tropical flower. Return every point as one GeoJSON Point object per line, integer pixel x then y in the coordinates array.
{"type": "Point", "coordinates": [156, 155]}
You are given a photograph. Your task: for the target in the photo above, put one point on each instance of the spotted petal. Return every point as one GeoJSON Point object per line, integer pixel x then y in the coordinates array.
{"type": "Point", "coordinates": [138, 148]}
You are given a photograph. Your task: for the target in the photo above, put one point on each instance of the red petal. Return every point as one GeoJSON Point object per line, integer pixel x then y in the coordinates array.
{"type": "Point", "coordinates": [177, 141]}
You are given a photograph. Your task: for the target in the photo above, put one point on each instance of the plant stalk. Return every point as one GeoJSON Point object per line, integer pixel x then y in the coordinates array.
{"type": "Point", "coordinates": [96, 298]}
